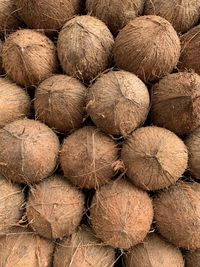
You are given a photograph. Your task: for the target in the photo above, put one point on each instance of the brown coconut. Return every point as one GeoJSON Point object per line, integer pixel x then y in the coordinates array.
{"type": "Point", "coordinates": [147, 46]}
{"type": "Point", "coordinates": [118, 102]}
{"type": "Point", "coordinates": [8, 16]}
{"type": "Point", "coordinates": [29, 57]}
{"type": "Point", "coordinates": [89, 157]}
{"type": "Point", "coordinates": [176, 102]}
{"type": "Point", "coordinates": [28, 151]}
{"type": "Point", "coordinates": [84, 47]}
{"type": "Point", "coordinates": [177, 215]}
{"type": "Point", "coordinates": [183, 14]}
{"type": "Point", "coordinates": [60, 103]}
{"type": "Point", "coordinates": [121, 214]}
{"type": "Point", "coordinates": [54, 208]}
{"type": "Point", "coordinates": [83, 249]}
{"type": "Point", "coordinates": [1, 63]}
{"type": "Point", "coordinates": [154, 252]}
{"type": "Point", "coordinates": [192, 258]}
{"type": "Point", "coordinates": [115, 14]}
{"type": "Point", "coordinates": [47, 14]}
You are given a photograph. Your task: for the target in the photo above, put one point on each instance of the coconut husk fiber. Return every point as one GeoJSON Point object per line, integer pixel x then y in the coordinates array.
{"type": "Point", "coordinates": [8, 16]}
{"type": "Point", "coordinates": [192, 258]}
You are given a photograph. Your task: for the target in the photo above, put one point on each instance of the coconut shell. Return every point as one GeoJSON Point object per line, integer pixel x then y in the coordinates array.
{"type": "Point", "coordinates": [28, 151]}
{"type": "Point", "coordinates": [89, 157]}
{"type": "Point", "coordinates": [154, 158]}
{"type": "Point", "coordinates": [34, 55]}
{"type": "Point", "coordinates": [192, 259]}
{"type": "Point", "coordinates": [60, 103]}
{"type": "Point", "coordinates": [121, 214]}
{"type": "Point", "coordinates": [84, 47]}
{"type": "Point", "coordinates": [8, 16]}
{"type": "Point", "coordinates": [176, 102]}
{"type": "Point", "coordinates": [177, 215]}
{"type": "Point", "coordinates": [83, 249]}
{"type": "Point", "coordinates": [154, 252]}
{"type": "Point", "coordinates": [118, 102]}
{"type": "Point", "coordinates": [51, 201]}
{"type": "Point", "coordinates": [147, 46]}
{"type": "Point", "coordinates": [115, 14]}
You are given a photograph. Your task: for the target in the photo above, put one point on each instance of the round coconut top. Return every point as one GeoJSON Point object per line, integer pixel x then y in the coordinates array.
{"type": "Point", "coordinates": [177, 214]}
{"type": "Point", "coordinates": [192, 258]}
{"type": "Point", "coordinates": [89, 157]}
{"type": "Point", "coordinates": [121, 214]}
{"type": "Point", "coordinates": [183, 14]}
{"type": "Point", "coordinates": [33, 53]}
{"type": "Point", "coordinates": [84, 47]}
{"type": "Point", "coordinates": [154, 252]}
{"type": "Point", "coordinates": [118, 102]}
{"type": "Point", "coordinates": [176, 102]}
{"type": "Point", "coordinates": [116, 14]}
{"type": "Point", "coordinates": [83, 249]}
{"type": "Point", "coordinates": [8, 16]}
{"type": "Point", "coordinates": [147, 46]}
{"type": "Point", "coordinates": [54, 208]}
{"type": "Point", "coordinates": [28, 151]}
{"type": "Point", "coordinates": [60, 103]}
{"type": "Point", "coordinates": [154, 158]}
{"type": "Point", "coordinates": [47, 14]}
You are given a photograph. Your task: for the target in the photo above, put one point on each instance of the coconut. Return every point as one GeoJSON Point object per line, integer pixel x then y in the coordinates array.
{"type": "Point", "coordinates": [60, 102]}
{"type": "Point", "coordinates": [89, 157]}
{"type": "Point", "coordinates": [147, 46]}
{"type": "Point", "coordinates": [54, 200]}
{"type": "Point", "coordinates": [154, 252]}
{"type": "Point", "coordinates": [83, 249]}
{"type": "Point", "coordinates": [29, 57]}
{"type": "Point", "coordinates": [183, 14]}
{"type": "Point", "coordinates": [192, 258]}
{"type": "Point", "coordinates": [176, 102]}
{"type": "Point", "coordinates": [118, 102]}
{"type": "Point", "coordinates": [28, 151]}
{"type": "Point", "coordinates": [116, 14]}
{"type": "Point", "coordinates": [177, 214]}
{"type": "Point", "coordinates": [8, 16]}
{"type": "Point", "coordinates": [45, 14]}
{"type": "Point", "coordinates": [1, 64]}
{"type": "Point", "coordinates": [85, 47]}
{"type": "Point", "coordinates": [121, 214]}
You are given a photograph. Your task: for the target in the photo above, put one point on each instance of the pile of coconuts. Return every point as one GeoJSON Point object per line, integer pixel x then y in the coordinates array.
{"type": "Point", "coordinates": [100, 133]}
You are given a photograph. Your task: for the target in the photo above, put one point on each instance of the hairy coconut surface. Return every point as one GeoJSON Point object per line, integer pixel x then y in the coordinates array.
{"type": "Point", "coordinates": [28, 151]}
{"type": "Point", "coordinates": [154, 158]}
{"type": "Point", "coordinates": [8, 16]}
{"type": "Point", "coordinates": [183, 14]}
{"type": "Point", "coordinates": [176, 102]}
{"type": "Point", "coordinates": [54, 208]}
{"type": "Point", "coordinates": [84, 47]}
{"type": "Point", "coordinates": [154, 252]}
{"type": "Point", "coordinates": [83, 249]}
{"type": "Point", "coordinates": [121, 214]}
{"type": "Point", "coordinates": [116, 14]}
{"type": "Point", "coordinates": [118, 102]}
{"type": "Point", "coordinates": [60, 103]}
{"type": "Point", "coordinates": [192, 259]}
{"type": "Point", "coordinates": [29, 57]}
{"type": "Point", "coordinates": [147, 46]}
{"type": "Point", "coordinates": [177, 215]}
{"type": "Point", "coordinates": [47, 14]}
{"type": "Point", "coordinates": [89, 157]}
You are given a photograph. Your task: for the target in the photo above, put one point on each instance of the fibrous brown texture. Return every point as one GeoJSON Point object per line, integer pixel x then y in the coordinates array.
{"type": "Point", "coordinates": [115, 13]}
{"type": "Point", "coordinates": [177, 214]}
{"type": "Point", "coordinates": [8, 16]}
{"type": "Point", "coordinates": [47, 14]}
{"type": "Point", "coordinates": [154, 158]}
{"type": "Point", "coordinates": [154, 252]}
{"type": "Point", "coordinates": [85, 250]}
{"type": "Point", "coordinates": [192, 259]}
{"type": "Point", "coordinates": [147, 46]}
{"type": "Point", "coordinates": [1, 63]}
{"type": "Point", "coordinates": [89, 157]}
{"type": "Point", "coordinates": [183, 14]}
{"type": "Point", "coordinates": [29, 57]}
{"type": "Point", "coordinates": [118, 102]}
{"type": "Point", "coordinates": [84, 47]}
{"type": "Point", "coordinates": [176, 102]}
{"type": "Point", "coordinates": [121, 214]}
{"type": "Point", "coordinates": [14, 102]}
{"type": "Point", "coordinates": [60, 103]}
{"type": "Point", "coordinates": [28, 151]}
{"type": "Point", "coordinates": [54, 208]}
